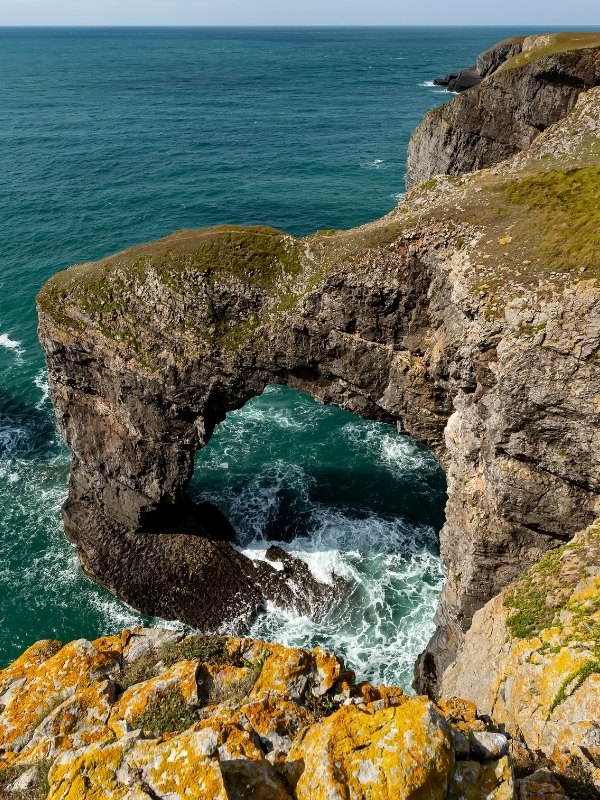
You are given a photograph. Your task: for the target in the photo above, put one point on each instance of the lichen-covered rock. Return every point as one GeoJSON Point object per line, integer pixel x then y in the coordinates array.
{"type": "Point", "coordinates": [39, 701]}
{"type": "Point", "coordinates": [474, 781]}
{"type": "Point", "coordinates": [185, 767]}
{"type": "Point", "coordinates": [157, 714]}
{"type": "Point", "coordinates": [531, 659]}
{"type": "Point", "coordinates": [399, 753]}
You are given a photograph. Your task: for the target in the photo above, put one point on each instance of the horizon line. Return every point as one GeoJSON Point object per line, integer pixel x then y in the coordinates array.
{"type": "Point", "coordinates": [292, 26]}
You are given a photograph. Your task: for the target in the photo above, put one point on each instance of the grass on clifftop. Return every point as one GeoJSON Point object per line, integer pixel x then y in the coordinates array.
{"type": "Point", "coordinates": [563, 209]}
{"type": "Point", "coordinates": [203, 272]}
{"type": "Point", "coordinates": [254, 254]}
{"type": "Point", "coordinates": [551, 44]}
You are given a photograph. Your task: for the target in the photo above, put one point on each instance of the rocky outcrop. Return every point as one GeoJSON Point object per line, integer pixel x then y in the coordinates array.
{"type": "Point", "coordinates": [469, 316]}
{"type": "Point", "coordinates": [531, 659]}
{"type": "Point", "coordinates": [153, 714]}
{"type": "Point", "coordinates": [487, 62]}
{"type": "Point", "coordinates": [530, 85]}
{"type": "Point", "coordinates": [460, 81]}
{"type": "Point", "coordinates": [491, 60]}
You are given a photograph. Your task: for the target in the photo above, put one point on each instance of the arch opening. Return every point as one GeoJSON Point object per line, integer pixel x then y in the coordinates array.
{"type": "Point", "coordinates": [347, 496]}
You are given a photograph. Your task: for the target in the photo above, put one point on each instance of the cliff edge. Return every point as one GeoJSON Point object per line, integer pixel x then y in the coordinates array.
{"type": "Point", "coordinates": [470, 316]}
{"type": "Point", "coordinates": [530, 83]}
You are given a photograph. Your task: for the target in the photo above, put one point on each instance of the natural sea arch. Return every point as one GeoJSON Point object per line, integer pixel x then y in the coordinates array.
{"type": "Point", "coordinates": [148, 351]}
{"type": "Point", "coordinates": [344, 494]}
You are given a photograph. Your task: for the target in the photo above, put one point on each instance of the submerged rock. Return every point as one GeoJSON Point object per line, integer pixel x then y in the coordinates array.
{"type": "Point", "coordinates": [150, 714]}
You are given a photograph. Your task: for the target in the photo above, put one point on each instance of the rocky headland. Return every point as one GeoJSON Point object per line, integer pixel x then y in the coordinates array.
{"type": "Point", "coordinates": [470, 317]}
{"type": "Point", "coordinates": [521, 87]}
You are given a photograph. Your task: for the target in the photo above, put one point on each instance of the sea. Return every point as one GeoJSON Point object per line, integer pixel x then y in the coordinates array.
{"type": "Point", "coordinates": [111, 137]}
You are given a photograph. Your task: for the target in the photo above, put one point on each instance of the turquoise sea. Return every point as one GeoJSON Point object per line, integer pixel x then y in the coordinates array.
{"type": "Point", "coordinates": [110, 137]}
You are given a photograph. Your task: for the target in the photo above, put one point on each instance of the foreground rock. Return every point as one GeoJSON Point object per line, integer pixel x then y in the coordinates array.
{"type": "Point", "coordinates": [531, 659]}
{"type": "Point", "coordinates": [153, 714]}
{"type": "Point", "coordinates": [469, 316]}
{"type": "Point", "coordinates": [530, 83]}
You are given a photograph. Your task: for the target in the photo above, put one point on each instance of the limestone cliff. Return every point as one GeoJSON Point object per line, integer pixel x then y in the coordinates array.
{"type": "Point", "coordinates": [531, 659]}
{"type": "Point", "coordinates": [530, 84]}
{"type": "Point", "coordinates": [470, 316]}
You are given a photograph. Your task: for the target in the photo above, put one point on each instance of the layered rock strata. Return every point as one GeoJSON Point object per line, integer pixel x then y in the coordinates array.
{"type": "Point", "coordinates": [529, 85]}
{"type": "Point", "coordinates": [469, 316]}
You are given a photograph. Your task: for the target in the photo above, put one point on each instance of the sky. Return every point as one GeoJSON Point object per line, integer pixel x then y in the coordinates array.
{"type": "Point", "coordinates": [531, 13]}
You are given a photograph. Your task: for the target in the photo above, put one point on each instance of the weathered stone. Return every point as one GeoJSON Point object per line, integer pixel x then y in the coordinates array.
{"type": "Point", "coordinates": [394, 754]}
{"type": "Point", "coordinates": [488, 746]}
{"type": "Point", "coordinates": [541, 785]}
{"type": "Point", "coordinates": [470, 316]}
{"type": "Point", "coordinates": [250, 721]}
{"type": "Point", "coordinates": [531, 659]}
{"type": "Point", "coordinates": [474, 781]}
{"type": "Point", "coordinates": [503, 115]}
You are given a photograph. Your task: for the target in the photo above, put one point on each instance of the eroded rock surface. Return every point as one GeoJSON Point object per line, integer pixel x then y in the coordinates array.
{"type": "Point", "coordinates": [530, 84]}
{"type": "Point", "coordinates": [470, 316]}
{"type": "Point", "coordinates": [531, 659]}
{"type": "Point", "coordinates": [155, 714]}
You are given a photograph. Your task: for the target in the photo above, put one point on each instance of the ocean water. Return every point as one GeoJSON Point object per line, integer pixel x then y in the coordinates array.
{"type": "Point", "coordinates": [115, 136]}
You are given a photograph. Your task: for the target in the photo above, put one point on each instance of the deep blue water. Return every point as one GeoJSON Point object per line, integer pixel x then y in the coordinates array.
{"type": "Point", "coordinates": [110, 137]}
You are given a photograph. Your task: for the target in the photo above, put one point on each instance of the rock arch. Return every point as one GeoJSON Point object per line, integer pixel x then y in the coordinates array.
{"type": "Point", "coordinates": [149, 349]}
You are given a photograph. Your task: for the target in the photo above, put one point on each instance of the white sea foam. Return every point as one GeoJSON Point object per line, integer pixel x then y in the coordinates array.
{"type": "Point", "coordinates": [391, 567]}
{"type": "Point", "coordinates": [12, 344]}
{"type": "Point", "coordinates": [376, 163]}
{"type": "Point", "coordinates": [41, 381]}
{"type": "Point", "coordinates": [394, 579]}
{"type": "Point", "coordinates": [12, 438]}
{"type": "Point", "coordinates": [427, 84]}
{"type": "Point", "coordinates": [398, 196]}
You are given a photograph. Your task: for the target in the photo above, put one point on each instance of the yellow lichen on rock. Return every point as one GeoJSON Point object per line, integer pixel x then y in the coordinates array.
{"type": "Point", "coordinates": [532, 657]}
{"type": "Point", "coordinates": [284, 672]}
{"type": "Point", "coordinates": [47, 684]}
{"type": "Point", "coordinates": [474, 781]}
{"type": "Point", "coordinates": [395, 753]}
{"type": "Point", "coordinates": [183, 768]}
{"type": "Point", "coordinates": [119, 719]}
{"type": "Point", "coordinates": [129, 709]}
{"type": "Point", "coordinates": [32, 657]}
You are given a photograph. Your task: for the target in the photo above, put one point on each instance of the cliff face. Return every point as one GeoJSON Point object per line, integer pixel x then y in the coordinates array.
{"type": "Point", "coordinates": [531, 659]}
{"type": "Point", "coordinates": [530, 85]}
{"type": "Point", "coordinates": [470, 316]}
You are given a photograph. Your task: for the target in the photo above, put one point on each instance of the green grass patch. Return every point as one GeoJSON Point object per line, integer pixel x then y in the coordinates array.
{"type": "Point", "coordinates": [204, 649]}
{"type": "Point", "coordinates": [208, 649]}
{"type": "Point", "coordinates": [37, 791]}
{"type": "Point", "coordinates": [552, 44]}
{"type": "Point", "coordinates": [209, 265]}
{"type": "Point", "coordinates": [574, 682]}
{"type": "Point", "coordinates": [529, 598]}
{"type": "Point", "coordinates": [563, 209]}
{"type": "Point", "coordinates": [167, 712]}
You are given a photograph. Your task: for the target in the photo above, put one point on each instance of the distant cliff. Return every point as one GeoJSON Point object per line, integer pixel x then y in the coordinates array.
{"type": "Point", "coordinates": [529, 85]}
